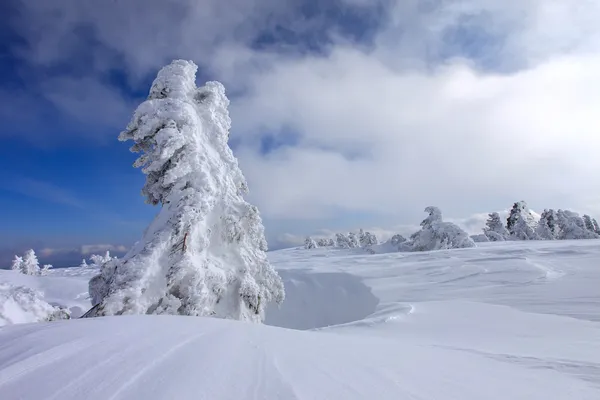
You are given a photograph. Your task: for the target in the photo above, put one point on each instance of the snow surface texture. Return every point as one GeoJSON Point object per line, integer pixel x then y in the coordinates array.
{"type": "Point", "coordinates": [506, 320]}
{"type": "Point", "coordinates": [204, 253]}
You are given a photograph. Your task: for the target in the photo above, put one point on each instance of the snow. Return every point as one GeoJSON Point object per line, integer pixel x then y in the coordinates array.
{"type": "Point", "coordinates": [505, 320]}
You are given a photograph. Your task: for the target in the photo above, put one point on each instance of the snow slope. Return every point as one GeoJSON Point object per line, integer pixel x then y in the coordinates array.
{"type": "Point", "coordinates": [502, 321]}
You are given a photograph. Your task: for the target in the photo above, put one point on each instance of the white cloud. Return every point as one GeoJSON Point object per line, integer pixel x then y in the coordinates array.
{"type": "Point", "coordinates": [390, 128]}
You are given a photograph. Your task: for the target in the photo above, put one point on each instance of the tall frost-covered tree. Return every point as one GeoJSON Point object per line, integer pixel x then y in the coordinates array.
{"type": "Point", "coordinates": [494, 228]}
{"type": "Point", "coordinates": [546, 227]}
{"type": "Point", "coordinates": [520, 223]}
{"type": "Point", "coordinates": [205, 252]}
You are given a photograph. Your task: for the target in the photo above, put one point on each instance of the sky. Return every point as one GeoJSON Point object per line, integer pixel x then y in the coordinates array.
{"type": "Point", "coordinates": [345, 113]}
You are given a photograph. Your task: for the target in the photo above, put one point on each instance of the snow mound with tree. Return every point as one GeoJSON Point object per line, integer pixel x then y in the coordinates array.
{"type": "Point", "coordinates": [435, 234]}
{"type": "Point", "coordinates": [204, 253]}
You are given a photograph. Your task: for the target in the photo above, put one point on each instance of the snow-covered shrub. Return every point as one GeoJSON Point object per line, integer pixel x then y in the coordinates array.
{"type": "Point", "coordinates": [437, 234]}
{"type": "Point", "coordinates": [204, 253]}
{"type": "Point", "coordinates": [20, 304]}
{"type": "Point", "coordinates": [480, 238]}
{"type": "Point", "coordinates": [521, 223]}
{"type": "Point", "coordinates": [494, 228]}
{"type": "Point", "coordinates": [310, 243]}
{"type": "Point", "coordinates": [546, 227]}
{"type": "Point", "coordinates": [572, 226]}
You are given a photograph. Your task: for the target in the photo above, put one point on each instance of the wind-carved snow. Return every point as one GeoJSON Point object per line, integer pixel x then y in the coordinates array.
{"type": "Point", "coordinates": [506, 320]}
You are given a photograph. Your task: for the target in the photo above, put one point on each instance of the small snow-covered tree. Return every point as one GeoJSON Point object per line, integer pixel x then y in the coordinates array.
{"type": "Point", "coordinates": [437, 234]}
{"type": "Point", "coordinates": [494, 228]}
{"type": "Point", "coordinates": [205, 252]}
{"type": "Point", "coordinates": [83, 264]}
{"type": "Point", "coordinates": [31, 265]}
{"type": "Point", "coordinates": [571, 226]}
{"type": "Point", "coordinates": [45, 269]}
{"type": "Point", "coordinates": [310, 243]}
{"type": "Point", "coordinates": [546, 227]}
{"type": "Point", "coordinates": [17, 264]}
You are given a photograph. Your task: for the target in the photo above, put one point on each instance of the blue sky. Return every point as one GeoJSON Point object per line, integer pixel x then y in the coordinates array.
{"type": "Point", "coordinates": [346, 113]}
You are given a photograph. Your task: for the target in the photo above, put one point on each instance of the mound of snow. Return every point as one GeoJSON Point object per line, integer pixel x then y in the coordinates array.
{"type": "Point", "coordinates": [20, 304]}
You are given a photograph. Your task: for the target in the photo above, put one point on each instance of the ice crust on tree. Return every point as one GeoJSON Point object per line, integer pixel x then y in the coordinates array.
{"type": "Point", "coordinates": [437, 234]}
{"type": "Point", "coordinates": [204, 253]}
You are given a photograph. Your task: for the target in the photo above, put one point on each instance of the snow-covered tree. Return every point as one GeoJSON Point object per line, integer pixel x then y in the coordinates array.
{"type": "Point", "coordinates": [310, 243]}
{"type": "Point", "coordinates": [572, 226]}
{"type": "Point", "coordinates": [596, 226]}
{"type": "Point", "coordinates": [205, 252]}
{"type": "Point", "coordinates": [353, 240]}
{"type": "Point", "coordinates": [17, 264]}
{"type": "Point", "coordinates": [437, 234]}
{"type": "Point", "coordinates": [325, 242]}
{"type": "Point", "coordinates": [521, 223]}
{"type": "Point", "coordinates": [546, 227]}
{"type": "Point", "coordinates": [31, 265]}
{"type": "Point", "coordinates": [83, 264]}
{"type": "Point", "coordinates": [367, 239]}
{"type": "Point", "coordinates": [494, 228]}
{"type": "Point", "coordinates": [589, 223]}
{"type": "Point", "coordinates": [342, 241]}
{"type": "Point", "coordinates": [45, 269]}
